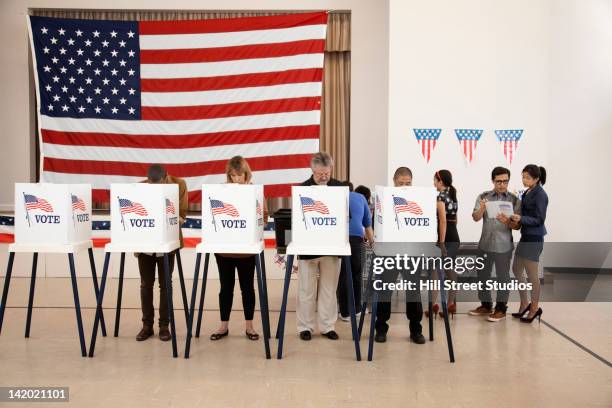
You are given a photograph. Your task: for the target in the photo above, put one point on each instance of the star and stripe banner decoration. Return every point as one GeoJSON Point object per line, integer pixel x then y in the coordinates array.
{"type": "Point", "coordinates": [468, 139]}
{"type": "Point", "coordinates": [509, 138]}
{"type": "Point", "coordinates": [116, 96]}
{"type": "Point", "coordinates": [427, 139]}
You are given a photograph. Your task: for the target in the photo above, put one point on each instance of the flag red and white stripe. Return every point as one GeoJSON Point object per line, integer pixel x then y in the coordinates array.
{"type": "Point", "coordinates": [210, 90]}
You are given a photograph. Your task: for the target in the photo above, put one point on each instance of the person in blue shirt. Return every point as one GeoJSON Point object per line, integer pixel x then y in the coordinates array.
{"type": "Point", "coordinates": [527, 255]}
{"type": "Point", "coordinates": [360, 230]}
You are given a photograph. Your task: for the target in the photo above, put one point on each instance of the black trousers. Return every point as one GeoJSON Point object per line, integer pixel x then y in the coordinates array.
{"type": "Point", "coordinates": [246, 276]}
{"type": "Point", "coordinates": [414, 307]}
{"type": "Point", "coordinates": [502, 272]}
{"type": "Point", "coordinates": [146, 265]}
{"type": "Point", "coordinates": [357, 259]}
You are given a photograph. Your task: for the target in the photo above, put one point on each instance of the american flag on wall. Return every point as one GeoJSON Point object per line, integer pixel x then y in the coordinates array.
{"type": "Point", "coordinates": [509, 138]}
{"type": "Point", "coordinates": [427, 139]}
{"type": "Point", "coordinates": [468, 139]}
{"type": "Point", "coordinates": [116, 96]}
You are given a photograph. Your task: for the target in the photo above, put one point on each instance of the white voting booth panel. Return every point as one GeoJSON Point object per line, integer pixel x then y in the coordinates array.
{"type": "Point", "coordinates": [319, 221]}
{"type": "Point", "coordinates": [52, 217]}
{"type": "Point", "coordinates": [405, 215]}
{"type": "Point", "coordinates": [144, 218]}
{"type": "Point", "coordinates": [232, 219]}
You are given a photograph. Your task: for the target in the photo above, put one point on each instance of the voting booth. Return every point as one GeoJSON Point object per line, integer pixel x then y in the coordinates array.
{"type": "Point", "coordinates": [232, 218]}
{"type": "Point", "coordinates": [406, 223]}
{"type": "Point", "coordinates": [319, 221]}
{"type": "Point", "coordinates": [51, 218]}
{"type": "Point", "coordinates": [319, 226]}
{"type": "Point", "coordinates": [144, 219]}
{"type": "Point", "coordinates": [52, 215]}
{"type": "Point", "coordinates": [232, 223]}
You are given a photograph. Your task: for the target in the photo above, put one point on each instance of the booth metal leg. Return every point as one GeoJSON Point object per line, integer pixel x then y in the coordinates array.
{"type": "Point", "coordinates": [364, 303]}
{"type": "Point", "coordinates": [265, 288]}
{"type": "Point", "coordinates": [170, 304]}
{"type": "Point", "coordinates": [77, 305]}
{"type": "Point", "coordinates": [182, 282]}
{"type": "Point", "coordinates": [204, 277]}
{"type": "Point", "coordinates": [372, 325]}
{"type": "Point", "coordinates": [7, 282]}
{"type": "Point", "coordinates": [262, 305]}
{"type": "Point", "coordinates": [94, 275]}
{"type": "Point", "coordinates": [280, 332]}
{"type": "Point", "coordinates": [31, 297]}
{"type": "Point", "coordinates": [194, 293]}
{"type": "Point", "coordinates": [99, 299]}
{"type": "Point", "coordinates": [430, 308]}
{"type": "Point", "coordinates": [449, 339]}
{"type": "Point", "coordinates": [119, 294]}
{"type": "Point", "coordinates": [351, 298]}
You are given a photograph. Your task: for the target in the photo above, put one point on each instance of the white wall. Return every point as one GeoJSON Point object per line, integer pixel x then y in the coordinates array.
{"type": "Point", "coordinates": [542, 66]}
{"type": "Point", "coordinates": [369, 57]}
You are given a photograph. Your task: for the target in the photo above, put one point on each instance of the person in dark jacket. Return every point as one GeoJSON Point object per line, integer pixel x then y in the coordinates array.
{"type": "Point", "coordinates": [527, 255]}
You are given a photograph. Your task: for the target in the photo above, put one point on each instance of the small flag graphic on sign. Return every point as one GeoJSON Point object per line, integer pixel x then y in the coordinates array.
{"type": "Point", "coordinates": [308, 204]}
{"type": "Point", "coordinates": [126, 206]}
{"type": "Point", "coordinates": [170, 207]}
{"type": "Point", "coordinates": [427, 139]}
{"type": "Point", "coordinates": [468, 138]}
{"type": "Point", "coordinates": [77, 203]}
{"type": "Point", "coordinates": [219, 207]}
{"type": "Point", "coordinates": [509, 138]}
{"type": "Point", "coordinates": [34, 203]}
{"type": "Point", "coordinates": [402, 205]}
{"type": "Point", "coordinates": [378, 204]}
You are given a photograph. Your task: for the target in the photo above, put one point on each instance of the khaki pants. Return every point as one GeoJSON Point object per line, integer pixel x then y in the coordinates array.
{"type": "Point", "coordinates": [317, 275]}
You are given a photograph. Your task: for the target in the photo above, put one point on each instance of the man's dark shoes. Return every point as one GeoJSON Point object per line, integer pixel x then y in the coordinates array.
{"type": "Point", "coordinates": [380, 337]}
{"type": "Point", "coordinates": [332, 335]}
{"type": "Point", "coordinates": [305, 335]}
{"type": "Point", "coordinates": [417, 338]}
{"type": "Point", "coordinates": [164, 333]}
{"type": "Point", "coordinates": [145, 333]}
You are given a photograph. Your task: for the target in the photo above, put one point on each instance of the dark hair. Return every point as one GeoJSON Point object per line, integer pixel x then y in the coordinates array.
{"type": "Point", "coordinates": [498, 171]}
{"type": "Point", "coordinates": [156, 173]}
{"type": "Point", "coordinates": [446, 178]}
{"type": "Point", "coordinates": [364, 191]}
{"type": "Point", "coordinates": [348, 184]}
{"type": "Point", "coordinates": [536, 172]}
{"type": "Point", "coordinates": [402, 171]}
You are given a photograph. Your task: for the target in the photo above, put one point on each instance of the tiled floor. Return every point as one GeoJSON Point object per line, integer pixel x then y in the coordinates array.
{"type": "Point", "coordinates": [506, 364]}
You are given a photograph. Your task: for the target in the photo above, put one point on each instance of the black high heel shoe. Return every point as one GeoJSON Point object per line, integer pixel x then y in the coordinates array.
{"type": "Point", "coordinates": [521, 313]}
{"type": "Point", "coordinates": [538, 314]}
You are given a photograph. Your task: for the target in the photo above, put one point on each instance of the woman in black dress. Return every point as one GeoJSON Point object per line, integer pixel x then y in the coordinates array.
{"type": "Point", "coordinates": [448, 237]}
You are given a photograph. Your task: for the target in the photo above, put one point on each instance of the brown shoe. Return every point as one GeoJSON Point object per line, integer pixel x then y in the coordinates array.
{"type": "Point", "coordinates": [496, 316]}
{"type": "Point", "coordinates": [480, 311]}
{"type": "Point", "coordinates": [164, 333]}
{"type": "Point", "coordinates": [145, 333]}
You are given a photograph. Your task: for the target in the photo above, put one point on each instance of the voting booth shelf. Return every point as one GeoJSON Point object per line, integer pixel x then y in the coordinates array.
{"type": "Point", "coordinates": [52, 218]}
{"type": "Point", "coordinates": [319, 226]}
{"type": "Point", "coordinates": [232, 223]}
{"type": "Point", "coordinates": [144, 219]}
{"type": "Point", "coordinates": [405, 222]}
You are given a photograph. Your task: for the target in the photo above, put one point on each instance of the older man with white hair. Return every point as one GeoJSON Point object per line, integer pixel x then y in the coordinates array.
{"type": "Point", "coordinates": [317, 271]}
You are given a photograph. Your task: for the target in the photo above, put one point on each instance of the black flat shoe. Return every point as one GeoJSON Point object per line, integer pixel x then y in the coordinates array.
{"type": "Point", "coordinates": [380, 337]}
{"type": "Point", "coordinates": [252, 336]}
{"type": "Point", "coordinates": [332, 335]}
{"type": "Point", "coordinates": [218, 336]}
{"type": "Point", "coordinates": [305, 335]}
{"type": "Point", "coordinates": [417, 338]}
